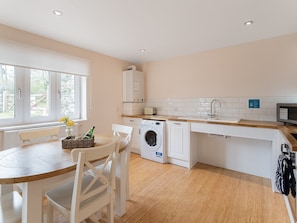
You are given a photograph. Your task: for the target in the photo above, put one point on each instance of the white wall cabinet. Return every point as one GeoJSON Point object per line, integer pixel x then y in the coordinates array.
{"type": "Point", "coordinates": [178, 143]}
{"type": "Point", "coordinates": [136, 124]}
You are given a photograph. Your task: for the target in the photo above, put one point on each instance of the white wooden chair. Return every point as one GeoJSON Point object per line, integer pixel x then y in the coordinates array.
{"type": "Point", "coordinates": [39, 135]}
{"type": "Point", "coordinates": [88, 193]}
{"type": "Point", "coordinates": [125, 134]}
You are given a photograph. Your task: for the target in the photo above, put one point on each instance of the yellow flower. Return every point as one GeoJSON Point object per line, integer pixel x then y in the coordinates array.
{"type": "Point", "coordinates": [70, 122]}
{"type": "Point", "coordinates": [62, 119]}
{"type": "Point", "coordinates": [67, 121]}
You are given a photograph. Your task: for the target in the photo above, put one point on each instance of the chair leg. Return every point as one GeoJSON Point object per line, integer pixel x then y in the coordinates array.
{"type": "Point", "coordinates": [98, 214]}
{"type": "Point", "coordinates": [50, 214]}
{"type": "Point", "coordinates": [110, 213]}
{"type": "Point", "coordinates": [127, 190]}
{"type": "Point", "coordinates": [127, 176]}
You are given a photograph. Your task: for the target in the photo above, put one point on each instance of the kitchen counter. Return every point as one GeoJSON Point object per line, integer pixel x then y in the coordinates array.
{"type": "Point", "coordinates": [242, 122]}
{"type": "Point", "coordinates": [284, 129]}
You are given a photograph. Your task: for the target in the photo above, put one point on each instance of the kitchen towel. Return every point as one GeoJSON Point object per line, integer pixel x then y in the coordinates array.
{"type": "Point", "coordinates": [285, 180]}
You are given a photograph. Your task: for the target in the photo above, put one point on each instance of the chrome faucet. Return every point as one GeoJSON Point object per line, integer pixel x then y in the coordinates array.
{"type": "Point", "coordinates": [212, 113]}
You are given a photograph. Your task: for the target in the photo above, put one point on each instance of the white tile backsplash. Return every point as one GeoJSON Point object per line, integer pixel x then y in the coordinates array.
{"type": "Point", "coordinates": [233, 107]}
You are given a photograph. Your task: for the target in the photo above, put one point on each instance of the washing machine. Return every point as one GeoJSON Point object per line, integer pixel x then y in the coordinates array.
{"type": "Point", "coordinates": [152, 143]}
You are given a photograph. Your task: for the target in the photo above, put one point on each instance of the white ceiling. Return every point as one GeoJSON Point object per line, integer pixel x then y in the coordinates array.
{"type": "Point", "coordinates": [165, 28]}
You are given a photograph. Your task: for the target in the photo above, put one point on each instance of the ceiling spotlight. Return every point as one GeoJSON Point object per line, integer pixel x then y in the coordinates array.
{"type": "Point", "coordinates": [248, 23]}
{"type": "Point", "coordinates": [142, 50]}
{"type": "Point", "coordinates": [57, 12]}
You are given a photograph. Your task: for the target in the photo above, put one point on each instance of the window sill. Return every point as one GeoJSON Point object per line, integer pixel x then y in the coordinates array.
{"type": "Point", "coordinates": [36, 125]}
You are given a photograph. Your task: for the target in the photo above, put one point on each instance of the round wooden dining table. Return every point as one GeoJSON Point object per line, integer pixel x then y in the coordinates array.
{"type": "Point", "coordinates": [39, 167]}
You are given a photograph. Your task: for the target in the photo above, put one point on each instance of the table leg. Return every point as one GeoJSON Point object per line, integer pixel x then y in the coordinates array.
{"type": "Point", "coordinates": [120, 199]}
{"type": "Point", "coordinates": [5, 189]}
{"type": "Point", "coordinates": [32, 202]}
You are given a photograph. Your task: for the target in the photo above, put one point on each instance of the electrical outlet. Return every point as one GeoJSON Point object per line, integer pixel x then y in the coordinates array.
{"type": "Point", "coordinates": [254, 103]}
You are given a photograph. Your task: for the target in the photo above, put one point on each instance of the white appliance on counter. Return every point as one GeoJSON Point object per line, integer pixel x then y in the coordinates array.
{"type": "Point", "coordinates": [152, 142]}
{"type": "Point", "coordinates": [150, 111]}
{"type": "Point", "coordinates": [133, 85]}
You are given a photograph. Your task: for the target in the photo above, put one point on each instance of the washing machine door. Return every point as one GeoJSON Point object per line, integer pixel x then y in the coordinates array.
{"type": "Point", "coordinates": [152, 139]}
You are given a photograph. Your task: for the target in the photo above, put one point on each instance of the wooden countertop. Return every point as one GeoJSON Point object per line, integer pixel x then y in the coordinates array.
{"type": "Point", "coordinates": [242, 122]}
{"type": "Point", "coordinates": [286, 130]}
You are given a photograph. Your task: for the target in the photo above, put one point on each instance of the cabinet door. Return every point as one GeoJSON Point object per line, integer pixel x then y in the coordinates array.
{"type": "Point", "coordinates": [136, 124]}
{"type": "Point", "coordinates": [178, 140]}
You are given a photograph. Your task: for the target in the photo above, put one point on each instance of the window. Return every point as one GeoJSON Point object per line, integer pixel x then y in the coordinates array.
{"type": "Point", "coordinates": [33, 95]}
{"type": "Point", "coordinates": [7, 90]}
{"type": "Point", "coordinates": [39, 93]}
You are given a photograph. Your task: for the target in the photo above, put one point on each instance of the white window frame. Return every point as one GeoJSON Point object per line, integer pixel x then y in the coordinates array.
{"type": "Point", "coordinates": [22, 99]}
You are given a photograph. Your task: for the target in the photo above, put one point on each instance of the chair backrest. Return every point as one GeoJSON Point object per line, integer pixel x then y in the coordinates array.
{"type": "Point", "coordinates": [91, 190]}
{"type": "Point", "coordinates": [124, 132]}
{"type": "Point", "coordinates": [38, 135]}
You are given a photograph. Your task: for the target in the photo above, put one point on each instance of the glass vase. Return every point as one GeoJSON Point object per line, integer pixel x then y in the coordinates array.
{"type": "Point", "coordinates": [68, 131]}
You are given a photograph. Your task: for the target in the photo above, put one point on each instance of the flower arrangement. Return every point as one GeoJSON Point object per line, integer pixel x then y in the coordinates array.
{"type": "Point", "coordinates": [69, 124]}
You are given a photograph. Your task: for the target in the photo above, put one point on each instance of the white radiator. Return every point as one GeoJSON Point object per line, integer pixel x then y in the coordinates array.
{"type": "Point", "coordinates": [11, 138]}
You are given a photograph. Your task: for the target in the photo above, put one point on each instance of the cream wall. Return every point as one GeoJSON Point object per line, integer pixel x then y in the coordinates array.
{"type": "Point", "coordinates": [104, 103]}
{"type": "Point", "coordinates": [259, 69]}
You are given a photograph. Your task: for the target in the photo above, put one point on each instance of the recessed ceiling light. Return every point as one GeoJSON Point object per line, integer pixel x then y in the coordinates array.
{"type": "Point", "coordinates": [57, 12]}
{"type": "Point", "coordinates": [248, 23]}
{"type": "Point", "coordinates": [142, 50]}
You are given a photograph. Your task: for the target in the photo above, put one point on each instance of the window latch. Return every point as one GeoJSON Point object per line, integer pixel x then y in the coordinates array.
{"type": "Point", "coordinates": [59, 94]}
{"type": "Point", "coordinates": [20, 93]}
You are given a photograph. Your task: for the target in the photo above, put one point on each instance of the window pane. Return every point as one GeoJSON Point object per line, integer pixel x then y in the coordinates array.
{"type": "Point", "coordinates": [7, 89]}
{"type": "Point", "coordinates": [29, 95]}
{"type": "Point", "coordinates": [39, 93]}
{"type": "Point", "coordinates": [68, 90]}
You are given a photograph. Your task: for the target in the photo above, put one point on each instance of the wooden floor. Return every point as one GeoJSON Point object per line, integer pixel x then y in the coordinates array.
{"type": "Point", "coordinates": [164, 193]}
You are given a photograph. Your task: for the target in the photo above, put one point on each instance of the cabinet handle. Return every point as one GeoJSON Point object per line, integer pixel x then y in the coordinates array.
{"type": "Point", "coordinates": [131, 120]}
{"type": "Point", "coordinates": [177, 123]}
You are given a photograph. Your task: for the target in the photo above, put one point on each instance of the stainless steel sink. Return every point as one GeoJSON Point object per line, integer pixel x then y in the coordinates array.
{"type": "Point", "coordinates": [207, 119]}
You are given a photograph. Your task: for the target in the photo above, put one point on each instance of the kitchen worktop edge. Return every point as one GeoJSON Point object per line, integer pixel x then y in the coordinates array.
{"type": "Point", "coordinates": [286, 130]}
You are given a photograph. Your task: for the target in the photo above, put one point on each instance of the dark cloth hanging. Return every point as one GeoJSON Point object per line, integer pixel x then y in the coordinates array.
{"type": "Point", "coordinates": [285, 179]}
{"type": "Point", "coordinates": [292, 183]}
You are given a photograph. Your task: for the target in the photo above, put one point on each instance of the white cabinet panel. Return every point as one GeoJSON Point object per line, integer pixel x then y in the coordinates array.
{"type": "Point", "coordinates": [136, 124]}
{"type": "Point", "coordinates": [178, 141]}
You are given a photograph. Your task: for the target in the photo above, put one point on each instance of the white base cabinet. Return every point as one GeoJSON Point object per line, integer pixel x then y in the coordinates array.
{"type": "Point", "coordinates": [178, 144]}
{"type": "Point", "coordinates": [136, 124]}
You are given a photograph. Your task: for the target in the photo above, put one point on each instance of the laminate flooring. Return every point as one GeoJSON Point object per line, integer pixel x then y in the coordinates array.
{"type": "Point", "coordinates": [165, 193]}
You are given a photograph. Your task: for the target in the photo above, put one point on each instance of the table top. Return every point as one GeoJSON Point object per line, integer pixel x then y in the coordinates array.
{"type": "Point", "coordinates": [38, 161]}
